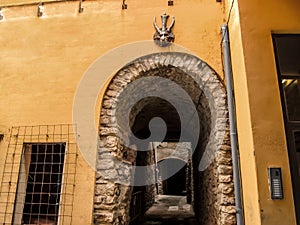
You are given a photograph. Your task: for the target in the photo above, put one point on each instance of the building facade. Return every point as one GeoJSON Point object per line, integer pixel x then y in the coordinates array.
{"type": "Point", "coordinates": [81, 82]}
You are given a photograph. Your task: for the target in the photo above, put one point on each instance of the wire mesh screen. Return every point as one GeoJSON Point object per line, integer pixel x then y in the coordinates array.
{"type": "Point", "coordinates": [38, 180]}
{"type": "Point", "coordinates": [43, 182]}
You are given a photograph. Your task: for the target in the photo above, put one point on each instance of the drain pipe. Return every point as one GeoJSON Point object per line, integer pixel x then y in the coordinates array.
{"type": "Point", "coordinates": [233, 130]}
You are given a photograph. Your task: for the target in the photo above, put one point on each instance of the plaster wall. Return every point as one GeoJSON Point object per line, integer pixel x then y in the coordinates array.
{"type": "Point", "coordinates": [259, 115]}
{"type": "Point", "coordinates": [43, 60]}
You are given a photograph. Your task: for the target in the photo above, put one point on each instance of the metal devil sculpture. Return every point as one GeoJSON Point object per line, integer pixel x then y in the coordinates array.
{"type": "Point", "coordinates": [164, 35]}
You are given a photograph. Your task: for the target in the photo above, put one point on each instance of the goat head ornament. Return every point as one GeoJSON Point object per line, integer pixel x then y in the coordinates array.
{"type": "Point", "coordinates": [164, 35]}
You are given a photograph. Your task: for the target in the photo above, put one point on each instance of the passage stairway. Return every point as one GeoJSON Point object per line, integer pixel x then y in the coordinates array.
{"type": "Point", "coordinates": [170, 210]}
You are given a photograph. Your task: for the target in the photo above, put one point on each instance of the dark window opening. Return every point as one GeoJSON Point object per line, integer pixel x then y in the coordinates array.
{"type": "Point", "coordinates": [287, 49]}
{"type": "Point", "coordinates": [44, 183]}
{"type": "Point", "coordinates": [297, 147]}
{"type": "Point", "coordinates": [287, 52]}
{"type": "Point", "coordinates": [291, 88]}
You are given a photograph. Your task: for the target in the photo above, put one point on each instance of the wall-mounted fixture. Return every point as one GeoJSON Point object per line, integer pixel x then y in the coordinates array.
{"type": "Point", "coordinates": [40, 9]}
{"type": "Point", "coordinates": [170, 2]}
{"type": "Point", "coordinates": [164, 36]}
{"type": "Point", "coordinates": [80, 10]}
{"type": "Point", "coordinates": [1, 14]}
{"type": "Point", "coordinates": [275, 182]}
{"type": "Point", "coordinates": [124, 5]}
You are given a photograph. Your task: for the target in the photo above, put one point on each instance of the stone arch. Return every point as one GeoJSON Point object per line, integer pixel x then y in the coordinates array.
{"type": "Point", "coordinates": [212, 163]}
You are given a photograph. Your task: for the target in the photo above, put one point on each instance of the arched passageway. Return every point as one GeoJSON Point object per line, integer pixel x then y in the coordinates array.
{"type": "Point", "coordinates": [163, 85]}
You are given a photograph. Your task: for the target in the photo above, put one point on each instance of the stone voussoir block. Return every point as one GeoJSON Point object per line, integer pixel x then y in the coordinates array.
{"type": "Point", "coordinates": [227, 219]}
{"type": "Point", "coordinates": [119, 82]}
{"type": "Point", "coordinates": [104, 216]}
{"type": "Point", "coordinates": [111, 141]}
{"type": "Point", "coordinates": [227, 199]}
{"type": "Point", "coordinates": [225, 169]}
{"type": "Point", "coordinates": [225, 178]}
{"type": "Point", "coordinates": [228, 209]}
{"type": "Point", "coordinates": [105, 189]}
{"type": "Point", "coordinates": [105, 163]}
{"type": "Point", "coordinates": [105, 131]}
{"type": "Point", "coordinates": [109, 103]}
{"type": "Point", "coordinates": [226, 188]}
{"type": "Point", "coordinates": [112, 93]}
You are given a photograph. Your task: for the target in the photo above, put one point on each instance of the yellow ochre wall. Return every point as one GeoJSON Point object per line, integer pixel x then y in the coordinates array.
{"type": "Point", "coordinates": [262, 141]}
{"type": "Point", "coordinates": [43, 59]}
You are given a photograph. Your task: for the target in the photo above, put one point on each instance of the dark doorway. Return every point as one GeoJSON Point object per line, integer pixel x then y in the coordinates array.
{"type": "Point", "coordinates": [176, 184]}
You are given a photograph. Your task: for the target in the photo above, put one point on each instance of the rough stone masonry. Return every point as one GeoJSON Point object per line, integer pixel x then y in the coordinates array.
{"type": "Point", "coordinates": [213, 197]}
